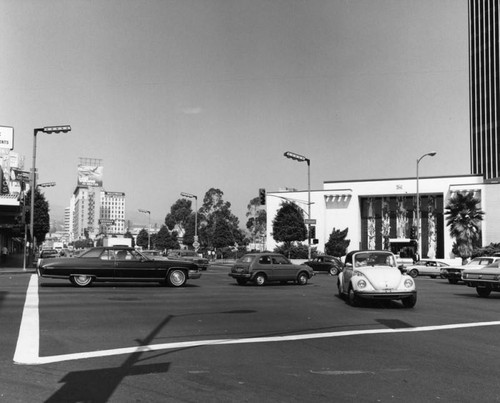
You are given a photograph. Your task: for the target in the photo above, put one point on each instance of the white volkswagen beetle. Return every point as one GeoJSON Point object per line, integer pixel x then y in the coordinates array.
{"type": "Point", "coordinates": [372, 274]}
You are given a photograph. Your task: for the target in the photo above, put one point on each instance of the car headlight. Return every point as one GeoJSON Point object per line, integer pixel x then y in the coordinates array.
{"type": "Point", "coordinates": [361, 284]}
{"type": "Point", "coordinates": [408, 283]}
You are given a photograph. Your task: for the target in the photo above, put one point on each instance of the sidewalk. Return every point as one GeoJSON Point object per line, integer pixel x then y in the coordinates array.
{"type": "Point", "coordinates": [14, 265]}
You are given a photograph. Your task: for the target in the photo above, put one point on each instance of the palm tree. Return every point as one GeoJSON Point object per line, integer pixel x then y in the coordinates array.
{"type": "Point", "coordinates": [464, 217]}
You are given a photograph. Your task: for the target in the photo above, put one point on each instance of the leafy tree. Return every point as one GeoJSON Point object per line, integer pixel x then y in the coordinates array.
{"type": "Point", "coordinates": [142, 239]}
{"type": "Point", "coordinates": [179, 215]}
{"type": "Point", "coordinates": [41, 218]}
{"type": "Point", "coordinates": [337, 244]}
{"type": "Point", "coordinates": [463, 217]}
{"type": "Point", "coordinates": [299, 251]}
{"type": "Point", "coordinates": [489, 250]}
{"type": "Point", "coordinates": [289, 226]}
{"type": "Point", "coordinates": [165, 239]}
{"type": "Point", "coordinates": [223, 235]}
{"type": "Point", "coordinates": [257, 220]}
{"type": "Point", "coordinates": [212, 213]}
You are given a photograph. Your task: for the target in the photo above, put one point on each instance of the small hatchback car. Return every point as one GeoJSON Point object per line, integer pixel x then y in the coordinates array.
{"type": "Point", "coordinates": [261, 268]}
{"type": "Point", "coordinates": [372, 274]}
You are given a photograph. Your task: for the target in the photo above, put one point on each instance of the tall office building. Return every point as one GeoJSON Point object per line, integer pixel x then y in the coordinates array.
{"type": "Point", "coordinates": [484, 88]}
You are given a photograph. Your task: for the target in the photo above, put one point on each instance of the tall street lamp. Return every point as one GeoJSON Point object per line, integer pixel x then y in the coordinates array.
{"type": "Point", "coordinates": [301, 158]}
{"type": "Point", "coordinates": [48, 130]}
{"type": "Point", "coordinates": [196, 244]}
{"type": "Point", "coordinates": [419, 236]}
{"type": "Point", "coordinates": [149, 225]}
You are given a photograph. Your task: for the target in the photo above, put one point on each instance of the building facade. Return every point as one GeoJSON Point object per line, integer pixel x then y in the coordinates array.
{"type": "Point", "coordinates": [484, 88]}
{"type": "Point", "coordinates": [381, 214]}
{"type": "Point", "coordinates": [95, 212]}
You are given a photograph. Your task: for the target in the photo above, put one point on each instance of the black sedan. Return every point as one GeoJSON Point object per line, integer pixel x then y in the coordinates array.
{"type": "Point", "coordinates": [330, 264]}
{"type": "Point", "coordinates": [117, 264]}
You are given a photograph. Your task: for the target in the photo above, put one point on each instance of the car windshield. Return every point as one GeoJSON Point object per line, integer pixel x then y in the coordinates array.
{"type": "Point", "coordinates": [481, 261]}
{"type": "Point", "coordinates": [374, 259]}
{"type": "Point", "coordinates": [247, 259]}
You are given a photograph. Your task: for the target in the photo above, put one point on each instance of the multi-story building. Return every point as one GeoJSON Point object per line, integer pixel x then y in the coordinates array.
{"type": "Point", "coordinates": [112, 214]}
{"type": "Point", "coordinates": [484, 84]}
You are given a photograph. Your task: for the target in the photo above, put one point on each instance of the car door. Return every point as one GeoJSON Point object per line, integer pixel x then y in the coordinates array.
{"type": "Point", "coordinates": [131, 265]}
{"type": "Point", "coordinates": [347, 274]}
{"type": "Point", "coordinates": [282, 269]}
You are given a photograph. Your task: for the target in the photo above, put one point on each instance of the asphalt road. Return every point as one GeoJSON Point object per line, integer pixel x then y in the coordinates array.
{"type": "Point", "coordinates": [214, 341]}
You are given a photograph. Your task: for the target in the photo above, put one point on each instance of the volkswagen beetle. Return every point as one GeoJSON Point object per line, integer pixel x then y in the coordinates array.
{"type": "Point", "coordinates": [372, 275]}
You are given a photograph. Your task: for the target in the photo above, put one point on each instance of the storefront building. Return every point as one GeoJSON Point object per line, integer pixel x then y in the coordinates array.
{"type": "Point", "coordinates": [382, 214]}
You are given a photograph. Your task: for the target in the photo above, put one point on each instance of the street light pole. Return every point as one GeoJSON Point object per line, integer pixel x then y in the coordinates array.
{"type": "Point", "coordinates": [196, 244]}
{"type": "Point", "coordinates": [301, 158]}
{"type": "Point", "coordinates": [149, 226]}
{"type": "Point", "coordinates": [49, 130]}
{"type": "Point", "coordinates": [419, 235]}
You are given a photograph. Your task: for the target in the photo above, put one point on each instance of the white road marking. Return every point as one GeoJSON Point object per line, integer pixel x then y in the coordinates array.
{"type": "Point", "coordinates": [28, 341]}
{"type": "Point", "coordinates": [27, 349]}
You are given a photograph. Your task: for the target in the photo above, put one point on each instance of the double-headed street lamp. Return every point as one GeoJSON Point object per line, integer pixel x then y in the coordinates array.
{"type": "Point", "coordinates": [196, 244]}
{"type": "Point", "coordinates": [419, 235]}
{"type": "Point", "coordinates": [149, 225]}
{"type": "Point", "coordinates": [48, 130]}
{"type": "Point", "coordinates": [301, 158]}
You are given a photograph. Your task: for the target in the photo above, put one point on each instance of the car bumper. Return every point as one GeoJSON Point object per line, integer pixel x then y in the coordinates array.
{"type": "Point", "coordinates": [246, 276]}
{"type": "Point", "coordinates": [194, 274]}
{"type": "Point", "coordinates": [385, 295]}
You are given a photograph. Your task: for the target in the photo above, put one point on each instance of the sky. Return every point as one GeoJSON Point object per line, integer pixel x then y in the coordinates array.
{"type": "Point", "coordinates": [186, 95]}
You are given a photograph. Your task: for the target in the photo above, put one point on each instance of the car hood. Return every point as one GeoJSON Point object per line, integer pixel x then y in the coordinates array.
{"type": "Point", "coordinates": [466, 267]}
{"type": "Point", "coordinates": [483, 270]}
{"type": "Point", "coordinates": [382, 276]}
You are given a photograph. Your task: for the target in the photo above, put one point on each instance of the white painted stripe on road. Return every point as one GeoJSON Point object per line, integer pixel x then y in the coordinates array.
{"type": "Point", "coordinates": [30, 356]}
{"type": "Point", "coordinates": [28, 341]}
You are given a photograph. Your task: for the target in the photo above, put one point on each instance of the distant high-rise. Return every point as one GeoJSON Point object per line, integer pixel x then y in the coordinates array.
{"type": "Point", "coordinates": [484, 88]}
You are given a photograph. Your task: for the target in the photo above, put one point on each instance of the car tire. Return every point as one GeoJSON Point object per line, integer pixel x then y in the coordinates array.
{"type": "Point", "coordinates": [333, 271]}
{"type": "Point", "coordinates": [81, 280]}
{"type": "Point", "coordinates": [176, 278]}
{"type": "Point", "coordinates": [352, 299]}
{"type": "Point", "coordinates": [409, 302]}
{"type": "Point", "coordinates": [241, 281]}
{"type": "Point", "coordinates": [413, 273]}
{"type": "Point", "coordinates": [452, 281]}
{"type": "Point", "coordinates": [483, 292]}
{"type": "Point", "coordinates": [260, 279]}
{"type": "Point", "coordinates": [302, 278]}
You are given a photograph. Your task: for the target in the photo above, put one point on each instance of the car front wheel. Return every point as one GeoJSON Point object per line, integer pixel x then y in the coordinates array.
{"type": "Point", "coordinates": [176, 278]}
{"type": "Point", "coordinates": [352, 299]}
{"type": "Point", "coordinates": [81, 280]}
{"type": "Point", "coordinates": [302, 279]}
{"type": "Point", "coordinates": [333, 271]}
{"type": "Point", "coordinates": [413, 273]}
{"type": "Point", "coordinates": [260, 279]}
{"type": "Point", "coordinates": [483, 292]}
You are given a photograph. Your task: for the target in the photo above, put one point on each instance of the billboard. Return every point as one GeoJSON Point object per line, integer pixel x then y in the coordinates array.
{"type": "Point", "coordinates": [90, 175]}
{"type": "Point", "coordinates": [6, 137]}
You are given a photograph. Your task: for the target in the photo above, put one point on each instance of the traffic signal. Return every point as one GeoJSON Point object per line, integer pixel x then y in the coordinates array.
{"type": "Point", "coordinates": [312, 232]}
{"type": "Point", "coordinates": [413, 233]}
{"type": "Point", "coordinates": [262, 196]}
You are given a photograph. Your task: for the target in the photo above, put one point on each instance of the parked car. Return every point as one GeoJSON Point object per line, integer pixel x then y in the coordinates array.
{"type": "Point", "coordinates": [117, 264]}
{"type": "Point", "coordinates": [454, 273]}
{"type": "Point", "coordinates": [261, 268]}
{"type": "Point", "coordinates": [371, 274]}
{"type": "Point", "coordinates": [189, 255]}
{"type": "Point", "coordinates": [485, 280]}
{"type": "Point", "coordinates": [326, 263]}
{"type": "Point", "coordinates": [426, 267]}
{"type": "Point", "coordinates": [154, 254]}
